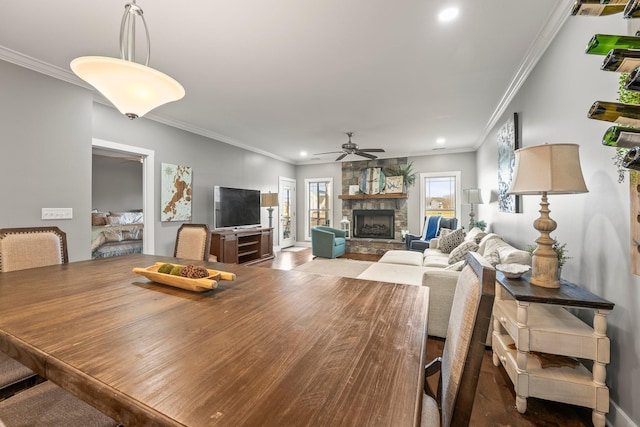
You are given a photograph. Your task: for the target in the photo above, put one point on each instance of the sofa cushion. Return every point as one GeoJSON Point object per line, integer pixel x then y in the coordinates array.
{"type": "Point", "coordinates": [483, 242]}
{"type": "Point", "coordinates": [402, 257]}
{"type": "Point", "coordinates": [456, 266]}
{"type": "Point", "coordinates": [394, 273]}
{"type": "Point", "coordinates": [459, 253]}
{"type": "Point", "coordinates": [493, 258]}
{"type": "Point", "coordinates": [475, 234]}
{"type": "Point", "coordinates": [439, 260]}
{"type": "Point", "coordinates": [511, 255]}
{"type": "Point", "coordinates": [451, 241]}
{"type": "Point", "coordinates": [493, 245]}
{"type": "Point", "coordinates": [339, 241]}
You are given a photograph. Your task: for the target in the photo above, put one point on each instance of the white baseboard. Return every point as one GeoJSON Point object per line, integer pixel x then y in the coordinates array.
{"type": "Point", "coordinates": [617, 417]}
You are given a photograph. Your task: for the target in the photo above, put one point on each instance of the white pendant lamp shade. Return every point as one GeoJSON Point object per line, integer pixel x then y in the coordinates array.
{"type": "Point", "coordinates": [133, 88]}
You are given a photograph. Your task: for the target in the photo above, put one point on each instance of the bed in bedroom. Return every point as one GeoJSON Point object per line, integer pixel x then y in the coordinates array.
{"type": "Point", "coordinates": [116, 233]}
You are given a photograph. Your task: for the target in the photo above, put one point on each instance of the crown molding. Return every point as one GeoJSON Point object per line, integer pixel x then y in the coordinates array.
{"type": "Point", "coordinates": [47, 69]}
{"type": "Point", "coordinates": [552, 26]}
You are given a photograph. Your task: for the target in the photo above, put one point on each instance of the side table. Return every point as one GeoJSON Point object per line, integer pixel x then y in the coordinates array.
{"type": "Point", "coordinates": [529, 318]}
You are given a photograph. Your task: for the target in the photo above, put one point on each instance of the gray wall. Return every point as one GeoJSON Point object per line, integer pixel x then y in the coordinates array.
{"type": "Point", "coordinates": [553, 105]}
{"type": "Point", "coordinates": [47, 131]}
{"type": "Point", "coordinates": [45, 135]}
{"type": "Point", "coordinates": [213, 163]}
{"type": "Point", "coordinates": [116, 184]}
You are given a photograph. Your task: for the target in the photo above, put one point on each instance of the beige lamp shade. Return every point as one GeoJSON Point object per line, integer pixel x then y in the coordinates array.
{"type": "Point", "coordinates": [471, 196]}
{"type": "Point", "coordinates": [551, 168]}
{"type": "Point", "coordinates": [133, 88]}
{"type": "Point", "coordinates": [269, 200]}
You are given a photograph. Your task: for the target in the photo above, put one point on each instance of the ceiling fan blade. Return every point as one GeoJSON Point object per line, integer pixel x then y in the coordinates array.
{"type": "Point", "coordinates": [328, 152]}
{"type": "Point", "coordinates": [341, 156]}
{"type": "Point", "coordinates": [367, 155]}
{"type": "Point", "coordinates": [372, 150]}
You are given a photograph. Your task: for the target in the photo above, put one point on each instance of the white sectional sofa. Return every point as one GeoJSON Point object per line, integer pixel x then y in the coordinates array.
{"type": "Point", "coordinates": [432, 268]}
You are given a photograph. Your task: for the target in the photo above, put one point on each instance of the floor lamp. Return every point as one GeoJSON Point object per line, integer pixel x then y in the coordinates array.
{"type": "Point", "coordinates": [269, 200]}
{"type": "Point", "coordinates": [471, 196]}
{"type": "Point", "coordinates": [547, 169]}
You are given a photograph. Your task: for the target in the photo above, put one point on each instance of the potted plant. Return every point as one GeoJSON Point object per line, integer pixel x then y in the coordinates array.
{"type": "Point", "coordinates": [481, 224]}
{"type": "Point", "coordinates": [406, 172]}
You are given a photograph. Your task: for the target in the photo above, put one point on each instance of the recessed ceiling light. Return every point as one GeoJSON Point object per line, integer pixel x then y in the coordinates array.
{"type": "Point", "coordinates": [448, 14]}
{"type": "Point", "coordinates": [303, 154]}
{"type": "Point", "coordinates": [440, 141]}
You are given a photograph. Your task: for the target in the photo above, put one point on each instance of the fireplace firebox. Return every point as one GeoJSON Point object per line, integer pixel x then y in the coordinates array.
{"type": "Point", "coordinates": [374, 223]}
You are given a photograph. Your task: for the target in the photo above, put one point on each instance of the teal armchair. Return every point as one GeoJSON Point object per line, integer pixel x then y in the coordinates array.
{"type": "Point", "coordinates": [327, 242]}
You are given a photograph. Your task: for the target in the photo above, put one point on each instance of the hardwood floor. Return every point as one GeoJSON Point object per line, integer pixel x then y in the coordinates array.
{"type": "Point", "coordinates": [495, 399]}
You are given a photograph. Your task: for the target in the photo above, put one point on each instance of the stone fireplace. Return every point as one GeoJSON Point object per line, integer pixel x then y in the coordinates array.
{"type": "Point", "coordinates": [373, 223]}
{"type": "Point", "coordinates": [369, 239]}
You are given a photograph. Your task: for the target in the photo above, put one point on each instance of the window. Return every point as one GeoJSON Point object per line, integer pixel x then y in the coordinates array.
{"type": "Point", "coordinates": [440, 194]}
{"type": "Point", "coordinates": [318, 203]}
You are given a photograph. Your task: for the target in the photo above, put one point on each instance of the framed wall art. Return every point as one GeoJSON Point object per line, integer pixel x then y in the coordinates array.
{"type": "Point", "coordinates": [176, 193]}
{"type": "Point", "coordinates": [508, 142]}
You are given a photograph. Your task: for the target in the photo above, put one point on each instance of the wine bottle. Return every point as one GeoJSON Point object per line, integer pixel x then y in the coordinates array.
{"type": "Point", "coordinates": [621, 137]}
{"type": "Point", "coordinates": [632, 159]}
{"type": "Point", "coordinates": [633, 80]}
{"type": "Point", "coordinates": [601, 44]}
{"type": "Point", "coordinates": [624, 114]}
{"type": "Point", "coordinates": [591, 8]}
{"type": "Point", "coordinates": [632, 9]}
{"type": "Point", "coordinates": [621, 60]}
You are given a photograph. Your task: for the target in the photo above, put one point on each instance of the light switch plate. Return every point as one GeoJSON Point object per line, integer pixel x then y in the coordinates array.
{"type": "Point", "coordinates": [57, 213]}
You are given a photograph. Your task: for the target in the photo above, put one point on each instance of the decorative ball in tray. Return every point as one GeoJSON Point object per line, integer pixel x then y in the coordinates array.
{"type": "Point", "coordinates": [513, 271]}
{"type": "Point", "coordinates": [191, 277]}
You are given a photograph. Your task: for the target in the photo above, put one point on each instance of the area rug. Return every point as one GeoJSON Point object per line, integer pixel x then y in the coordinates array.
{"type": "Point", "coordinates": [295, 249]}
{"type": "Point", "coordinates": [335, 267]}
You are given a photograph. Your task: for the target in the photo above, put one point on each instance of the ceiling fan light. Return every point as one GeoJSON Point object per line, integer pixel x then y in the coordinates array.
{"type": "Point", "coordinates": [133, 88]}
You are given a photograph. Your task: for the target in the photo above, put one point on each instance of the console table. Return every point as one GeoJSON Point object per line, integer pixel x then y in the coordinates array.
{"type": "Point", "coordinates": [242, 246]}
{"type": "Point", "coordinates": [528, 318]}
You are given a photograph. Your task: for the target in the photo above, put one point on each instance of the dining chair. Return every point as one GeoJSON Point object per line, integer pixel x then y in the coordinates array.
{"type": "Point", "coordinates": [30, 247]}
{"type": "Point", "coordinates": [464, 348]}
{"type": "Point", "coordinates": [28, 401]}
{"type": "Point", "coordinates": [47, 405]}
{"type": "Point", "coordinates": [192, 242]}
{"type": "Point", "coordinates": [22, 248]}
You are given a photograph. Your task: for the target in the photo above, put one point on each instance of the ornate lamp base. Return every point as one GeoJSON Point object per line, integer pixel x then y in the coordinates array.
{"type": "Point", "coordinates": [544, 269]}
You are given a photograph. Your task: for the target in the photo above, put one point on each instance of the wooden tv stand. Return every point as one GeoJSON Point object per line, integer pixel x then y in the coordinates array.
{"type": "Point", "coordinates": [242, 245]}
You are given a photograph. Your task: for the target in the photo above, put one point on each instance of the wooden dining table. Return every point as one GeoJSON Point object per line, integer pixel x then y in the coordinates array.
{"type": "Point", "coordinates": [271, 348]}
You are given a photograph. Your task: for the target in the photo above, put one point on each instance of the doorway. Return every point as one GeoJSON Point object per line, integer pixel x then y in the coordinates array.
{"type": "Point", "coordinates": [287, 194]}
{"type": "Point", "coordinates": [147, 158]}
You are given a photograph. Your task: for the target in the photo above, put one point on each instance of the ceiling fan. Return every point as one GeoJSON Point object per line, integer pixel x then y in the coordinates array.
{"type": "Point", "coordinates": [352, 148]}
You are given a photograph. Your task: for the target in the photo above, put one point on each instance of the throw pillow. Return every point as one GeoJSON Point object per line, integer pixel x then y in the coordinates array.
{"type": "Point", "coordinates": [493, 258]}
{"type": "Point", "coordinates": [459, 253]}
{"type": "Point", "coordinates": [484, 242]}
{"type": "Point", "coordinates": [508, 255]}
{"type": "Point", "coordinates": [456, 266]}
{"type": "Point", "coordinates": [451, 241]}
{"type": "Point", "coordinates": [445, 232]}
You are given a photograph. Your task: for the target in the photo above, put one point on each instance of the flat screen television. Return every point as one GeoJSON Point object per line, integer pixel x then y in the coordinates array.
{"type": "Point", "coordinates": [235, 207]}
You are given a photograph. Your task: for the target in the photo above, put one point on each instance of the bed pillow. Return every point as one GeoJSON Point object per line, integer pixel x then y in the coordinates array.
{"type": "Point", "coordinates": [127, 218]}
{"type": "Point", "coordinates": [99, 218]}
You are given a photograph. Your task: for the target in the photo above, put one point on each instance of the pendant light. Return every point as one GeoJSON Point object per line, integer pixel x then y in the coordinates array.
{"type": "Point", "coordinates": [133, 88]}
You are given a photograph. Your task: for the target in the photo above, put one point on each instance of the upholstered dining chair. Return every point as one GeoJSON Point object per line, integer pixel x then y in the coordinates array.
{"type": "Point", "coordinates": [192, 242]}
{"type": "Point", "coordinates": [22, 248]}
{"type": "Point", "coordinates": [27, 399]}
{"type": "Point", "coordinates": [464, 348]}
{"type": "Point", "coordinates": [31, 247]}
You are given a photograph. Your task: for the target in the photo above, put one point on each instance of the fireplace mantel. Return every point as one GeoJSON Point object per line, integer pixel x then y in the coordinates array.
{"type": "Point", "coordinates": [372, 196]}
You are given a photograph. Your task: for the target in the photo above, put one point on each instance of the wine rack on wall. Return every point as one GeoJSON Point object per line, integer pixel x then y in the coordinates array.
{"type": "Point", "coordinates": [621, 54]}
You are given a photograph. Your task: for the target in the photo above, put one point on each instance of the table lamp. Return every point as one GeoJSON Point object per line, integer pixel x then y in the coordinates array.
{"type": "Point", "coordinates": [547, 169]}
{"type": "Point", "coordinates": [269, 200]}
{"type": "Point", "coordinates": [471, 196]}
